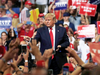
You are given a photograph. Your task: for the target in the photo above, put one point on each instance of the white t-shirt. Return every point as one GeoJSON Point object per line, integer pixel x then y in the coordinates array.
{"type": "Point", "coordinates": [41, 2]}
{"type": "Point", "coordinates": [73, 39]}
{"type": "Point", "coordinates": [84, 50]}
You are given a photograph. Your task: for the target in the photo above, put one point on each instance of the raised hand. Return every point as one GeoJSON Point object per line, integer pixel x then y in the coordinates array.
{"type": "Point", "coordinates": [13, 49]}
{"type": "Point", "coordinates": [25, 56]}
{"type": "Point", "coordinates": [35, 50]}
{"type": "Point", "coordinates": [47, 54]}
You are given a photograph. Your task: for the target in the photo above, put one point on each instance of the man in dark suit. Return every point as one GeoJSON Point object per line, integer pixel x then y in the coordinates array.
{"type": "Point", "coordinates": [52, 36]}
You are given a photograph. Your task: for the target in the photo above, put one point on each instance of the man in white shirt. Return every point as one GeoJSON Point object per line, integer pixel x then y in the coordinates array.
{"type": "Point", "coordinates": [24, 15]}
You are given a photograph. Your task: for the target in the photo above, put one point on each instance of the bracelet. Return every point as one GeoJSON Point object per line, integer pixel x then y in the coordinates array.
{"type": "Point", "coordinates": [1, 72]}
{"type": "Point", "coordinates": [26, 60]}
{"type": "Point", "coordinates": [3, 60]}
{"type": "Point", "coordinates": [76, 65]}
{"type": "Point", "coordinates": [25, 66]}
{"type": "Point", "coordinates": [82, 68]}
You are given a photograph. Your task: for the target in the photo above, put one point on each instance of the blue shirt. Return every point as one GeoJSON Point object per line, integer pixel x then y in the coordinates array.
{"type": "Point", "coordinates": [75, 22]}
{"type": "Point", "coordinates": [16, 10]}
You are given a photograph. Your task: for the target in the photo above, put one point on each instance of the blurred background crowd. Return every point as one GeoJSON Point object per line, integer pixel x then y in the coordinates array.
{"type": "Point", "coordinates": [26, 48]}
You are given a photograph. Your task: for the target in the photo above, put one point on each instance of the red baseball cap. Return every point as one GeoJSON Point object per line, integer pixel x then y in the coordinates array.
{"type": "Point", "coordinates": [76, 32]}
{"type": "Point", "coordinates": [15, 16]}
{"type": "Point", "coordinates": [71, 68]}
{"type": "Point", "coordinates": [28, 3]}
{"type": "Point", "coordinates": [41, 15]}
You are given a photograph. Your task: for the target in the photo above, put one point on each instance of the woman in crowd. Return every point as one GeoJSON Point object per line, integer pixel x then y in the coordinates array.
{"type": "Point", "coordinates": [4, 37]}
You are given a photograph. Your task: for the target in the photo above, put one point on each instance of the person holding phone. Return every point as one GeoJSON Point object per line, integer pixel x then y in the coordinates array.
{"type": "Point", "coordinates": [25, 11]}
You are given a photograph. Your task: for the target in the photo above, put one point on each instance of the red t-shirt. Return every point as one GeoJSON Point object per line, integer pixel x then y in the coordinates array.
{"type": "Point", "coordinates": [23, 33]}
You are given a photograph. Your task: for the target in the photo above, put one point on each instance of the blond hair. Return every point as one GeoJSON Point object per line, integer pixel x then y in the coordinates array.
{"type": "Point", "coordinates": [15, 22]}
{"type": "Point", "coordinates": [52, 15]}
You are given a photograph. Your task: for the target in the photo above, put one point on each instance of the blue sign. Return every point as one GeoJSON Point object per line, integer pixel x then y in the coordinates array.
{"type": "Point", "coordinates": [96, 2]}
{"type": "Point", "coordinates": [61, 4]}
{"type": "Point", "coordinates": [5, 22]}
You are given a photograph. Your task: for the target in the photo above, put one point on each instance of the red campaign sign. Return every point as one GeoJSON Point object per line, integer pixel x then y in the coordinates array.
{"type": "Point", "coordinates": [57, 13]}
{"type": "Point", "coordinates": [90, 9]}
{"type": "Point", "coordinates": [78, 2]}
{"type": "Point", "coordinates": [95, 51]}
{"type": "Point", "coordinates": [98, 26]}
{"type": "Point", "coordinates": [86, 31]}
{"type": "Point", "coordinates": [69, 3]}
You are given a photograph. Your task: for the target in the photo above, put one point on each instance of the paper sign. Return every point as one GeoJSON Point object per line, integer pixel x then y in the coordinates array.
{"type": "Point", "coordinates": [78, 2]}
{"type": "Point", "coordinates": [98, 26]}
{"type": "Point", "coordinates": [95, 51]}
{"type": "Point", "coordinates": [61, 4]}
{"type": "Point", "coordinates": [69, 3]}
{"type": "Point", "coordinates": [86, 31]}
{"type": "Point", "coordinates": [5, 22]}
{"type": "Point", "coordinates": [90, 9]}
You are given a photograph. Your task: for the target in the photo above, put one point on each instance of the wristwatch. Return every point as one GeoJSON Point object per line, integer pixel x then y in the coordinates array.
{"type": "Point", "coordinates": [82, 68]}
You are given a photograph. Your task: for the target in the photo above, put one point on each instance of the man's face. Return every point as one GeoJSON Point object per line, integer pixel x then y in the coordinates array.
{"type": "Point", "coordinates": [10, 4]}
{"type": "Point", "coordinates": [28, 6]}
{"type": "Point", "coordinates": [27, 28]}
{"type": "Point", "coordinates": [66, 18]}
{"type": "Point", "coordinates": [49, 22]}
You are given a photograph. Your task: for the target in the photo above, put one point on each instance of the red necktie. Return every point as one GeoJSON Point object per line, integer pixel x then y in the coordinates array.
{"type": "Point", "coordinates": [51, 37]}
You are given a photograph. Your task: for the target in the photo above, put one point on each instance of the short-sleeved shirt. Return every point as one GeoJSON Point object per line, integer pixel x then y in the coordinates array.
{"type": "Point", "coordinates": [16, 10]}
{"type": "Point", "coordinates": [23, 33]}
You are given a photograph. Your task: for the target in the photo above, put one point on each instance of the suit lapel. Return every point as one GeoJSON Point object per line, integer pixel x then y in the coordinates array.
{"type": "Point", "coordinates": [47, 35]}
{"type": "Point", "coordinates": [56, 35]}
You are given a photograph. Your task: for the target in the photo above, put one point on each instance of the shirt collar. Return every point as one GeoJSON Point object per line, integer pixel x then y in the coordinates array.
{"type": "Point", "coordinates": [52, 27]}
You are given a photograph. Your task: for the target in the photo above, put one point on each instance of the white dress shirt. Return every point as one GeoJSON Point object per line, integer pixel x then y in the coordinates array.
{"type": "Point", "coordinates": [53, 31]}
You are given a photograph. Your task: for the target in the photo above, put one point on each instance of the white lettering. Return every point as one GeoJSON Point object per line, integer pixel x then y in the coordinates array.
{"type": "Point", "coordinates": [94, 50]}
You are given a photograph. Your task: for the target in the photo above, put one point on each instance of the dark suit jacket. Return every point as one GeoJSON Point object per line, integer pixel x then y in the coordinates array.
{"type": "Point", "coordinates": [71, 25]}
{"type": "Point", "coordinates": [61, 38]}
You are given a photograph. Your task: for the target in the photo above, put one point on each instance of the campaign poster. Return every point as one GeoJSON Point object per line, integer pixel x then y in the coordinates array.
{"type": "Point", "coordinates": [95, 51]}
{"type": "Point", "coordinates": [5, 22]}
{"type": "Point", "coordinates": [90, 9]}
{"type": "Point", "coordinates": [86, 31]}
{"type": "Point", "coordinates": [61, 4]}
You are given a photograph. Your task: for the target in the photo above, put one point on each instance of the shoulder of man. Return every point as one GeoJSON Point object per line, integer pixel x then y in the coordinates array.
{"type": "Point", "coordinates": [41, 29]}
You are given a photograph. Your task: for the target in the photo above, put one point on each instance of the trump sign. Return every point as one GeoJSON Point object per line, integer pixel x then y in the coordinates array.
{"type": "Point", "coordinates": [5, 22]}
{"type": "Point", "coordinates": [90, 9]}
{"type": "Point", "coordinates": [61, 4]}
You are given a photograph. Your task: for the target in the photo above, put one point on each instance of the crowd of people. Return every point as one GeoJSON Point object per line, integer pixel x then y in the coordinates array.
{"type": "Point", "coordinates": [49, 47]}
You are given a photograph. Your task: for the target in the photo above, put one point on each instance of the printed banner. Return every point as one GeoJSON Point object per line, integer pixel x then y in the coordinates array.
{"type": "Point", "coordinates": [5, 22]}
{"type": "Point", "coordinates": [96, 2]}
{"type": "Point", "coordinates": [95, 51]}
{"type": "Point", "coordinates": [98, 26]}
{"type": "Point", "coordinates": [78, 2]}
{"type": "Point", "coordinates": [90, 9]}
{"type": "Point", "coordinates": [86, 31]}
{"type": "Point", "coordinates": [61, 4]}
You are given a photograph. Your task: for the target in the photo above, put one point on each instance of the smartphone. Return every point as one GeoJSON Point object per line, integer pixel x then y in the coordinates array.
{"type": "Point", "coordinates": [27, 13]}
{"type": "Point", "coordinates": [91, 61]}
{"type": "Point", "coordinates": [50, 72]}
{"type": "Point", "coordinates": [54, 52]}
{"type": "Point", "coordinates": [23, 48]}
{"type": "Point", "coordinates": [65, 70]}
